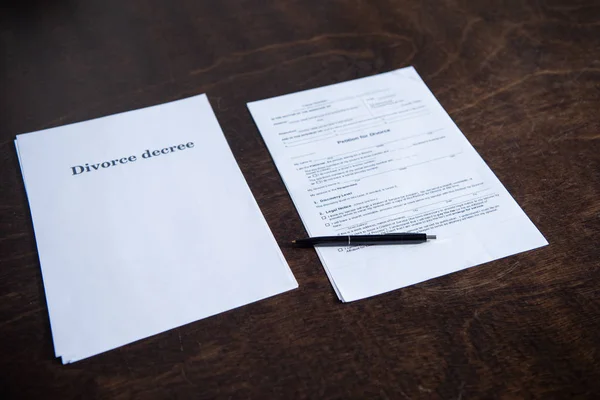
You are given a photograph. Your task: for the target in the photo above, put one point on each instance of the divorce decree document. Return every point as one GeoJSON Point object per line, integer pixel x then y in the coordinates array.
{"type": "Point", "coordinates": [132, 213]}
{"type": "Point", "coordinates": [380, 155]}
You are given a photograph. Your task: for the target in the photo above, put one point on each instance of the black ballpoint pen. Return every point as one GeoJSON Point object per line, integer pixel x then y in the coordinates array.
{"type": "Point", "coordinates": [362, 240]}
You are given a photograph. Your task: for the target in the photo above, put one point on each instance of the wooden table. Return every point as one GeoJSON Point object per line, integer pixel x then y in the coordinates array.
{"type": "Point", "coordinates": [520, 78]}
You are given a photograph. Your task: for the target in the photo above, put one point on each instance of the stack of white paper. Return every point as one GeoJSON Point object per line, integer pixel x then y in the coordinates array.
{"type": "Point", "coordinates": [380, 155]}
{"type": "Point", "coordinates": [143, 223]}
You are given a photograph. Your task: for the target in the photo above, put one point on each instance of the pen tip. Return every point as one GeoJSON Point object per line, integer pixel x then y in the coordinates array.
{"type": "Point", "coordinates": [429, 237]}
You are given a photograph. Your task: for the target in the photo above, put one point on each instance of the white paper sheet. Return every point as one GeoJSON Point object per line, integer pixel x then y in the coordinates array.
{"type": "Point", "coordinates": [380, 155]}
{"type": "Point", "coordinates": [139, 246]}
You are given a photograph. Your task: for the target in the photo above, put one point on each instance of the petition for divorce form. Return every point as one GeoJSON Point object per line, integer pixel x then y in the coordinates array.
{"type": "Point", "coordinates": [380, 155]}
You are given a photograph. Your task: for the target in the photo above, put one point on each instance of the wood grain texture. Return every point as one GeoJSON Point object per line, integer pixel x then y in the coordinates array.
{"type": "Point", "coordinates": [520, 78]}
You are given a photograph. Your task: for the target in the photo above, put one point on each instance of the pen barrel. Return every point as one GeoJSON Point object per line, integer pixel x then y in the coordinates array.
{"type": "Point", "coordinates": [364, 240]}
{"type": "Point", "coordinates": [390, 238]}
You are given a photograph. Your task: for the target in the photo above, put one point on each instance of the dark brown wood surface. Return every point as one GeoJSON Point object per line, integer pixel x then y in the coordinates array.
{"type": "Point", "coordinates": [520, 78]}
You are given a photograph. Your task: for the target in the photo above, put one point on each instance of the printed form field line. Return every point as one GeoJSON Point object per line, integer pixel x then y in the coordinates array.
{"type": "Point", "coordinates": [424, 206]}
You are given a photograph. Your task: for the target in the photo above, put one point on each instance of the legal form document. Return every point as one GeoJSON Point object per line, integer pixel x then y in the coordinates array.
{"type": "Point", "coordinates": [131, 215]}
{"type": "Point", "coordinates": [380, 155]}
